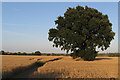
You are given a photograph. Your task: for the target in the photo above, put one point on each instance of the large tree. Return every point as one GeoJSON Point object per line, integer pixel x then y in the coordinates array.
{"type": "Point", "coordinates": [81, 30]}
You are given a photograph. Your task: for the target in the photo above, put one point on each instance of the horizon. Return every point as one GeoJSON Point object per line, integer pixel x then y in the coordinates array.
{"type": "Point", "coordinates": [46, 52]}
{"type": "Point", "coordinates": [26, 25]}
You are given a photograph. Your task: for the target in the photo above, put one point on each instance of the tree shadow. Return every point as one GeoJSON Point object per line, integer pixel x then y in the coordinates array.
{"type": "Point", "coordinates": [103, 58]}
{"type": "Point", "coordinates": [54, 59]}
{"type": "Point", "coordinates": [21, 69]}
{"type": "Point", "coordinates": [25, 71]}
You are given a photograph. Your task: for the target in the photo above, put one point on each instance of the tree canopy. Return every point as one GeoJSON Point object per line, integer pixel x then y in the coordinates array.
{"type": "Point", "coordinates": [81, 30]}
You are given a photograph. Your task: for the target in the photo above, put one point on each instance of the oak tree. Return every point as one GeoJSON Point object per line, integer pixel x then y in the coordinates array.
{"type": "Point", "coordinates": [81, 30]}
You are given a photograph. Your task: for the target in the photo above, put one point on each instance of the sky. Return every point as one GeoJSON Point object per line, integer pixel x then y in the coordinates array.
{"type": "Point", "coordinates": [119, 27]}
{"type": "Point", "coordinates": [0, 25]}
{"type": "Point", "coordinates": [25, 25]}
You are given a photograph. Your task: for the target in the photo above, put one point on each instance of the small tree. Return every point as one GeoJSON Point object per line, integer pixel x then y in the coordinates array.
{"type": "Point", "coordinates": [81, 30]}
{"type": "Point", "coordinates": [19, 53]}
{"type": "Point", "coordinates": [37, 53]}
{"type": "Point", "coordinates": [3, 52]}
{"type": "Point", "coordinates": [24, 53]}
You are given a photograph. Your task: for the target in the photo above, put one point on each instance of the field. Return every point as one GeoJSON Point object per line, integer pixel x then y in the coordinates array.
{"type": "Point", "coordinates": [12, 64]}
{"type": "Point", "coordinates": [58, 67]}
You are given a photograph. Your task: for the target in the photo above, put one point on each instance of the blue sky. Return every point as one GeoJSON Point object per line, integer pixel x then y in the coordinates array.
{"type": "Point", "coordinates": [26, 25]}
{"type": "Point", "coordinates": [0, 25]}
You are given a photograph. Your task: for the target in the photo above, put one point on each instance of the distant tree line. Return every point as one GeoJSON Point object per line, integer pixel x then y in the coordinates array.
{"type": "Point", "coordinates": [20, 53]}
{"type": "Point", "coordinates": [101, 54]}
{"type": "Point", "coordinates": [110, 54]}
{"type": "Point", "coordinates": [33, 53]}
{"type": "Point", "coordinates": [55, 54]}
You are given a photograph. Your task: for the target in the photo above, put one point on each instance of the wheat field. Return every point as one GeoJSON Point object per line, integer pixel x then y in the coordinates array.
{"type": "Point", "coordinates": [17, 63]}
{"type": "Point", "coordinates": [64, 67]}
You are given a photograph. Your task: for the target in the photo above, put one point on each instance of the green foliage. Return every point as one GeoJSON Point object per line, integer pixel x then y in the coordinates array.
{"type": "Point", "coordinates": [48, 54]}
{"type": "Point", "coordinates": [37, 53]}
{"type": "Point", "coordinates": [110, 54]}
{"type": "Point", "coordinates": [3, 52]}
{"type": "Point", "coordinates": [89, 56]}
{"type": "Point", "coordinates": [73, 55]}
{"type": "Point", "coordinates": [16, 53]}
{"type": "Point", "coordinates": [24, 53]}
{"type": "Point", "coordinates": [114, 54]}
{"type": "Point", "coordinates": [81, 30]}
{"type": "Point", "coordinates": [55, 54]}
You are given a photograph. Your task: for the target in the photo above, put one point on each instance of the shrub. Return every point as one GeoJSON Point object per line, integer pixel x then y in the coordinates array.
{"type": "Point", "coordinates": [37, 53]}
